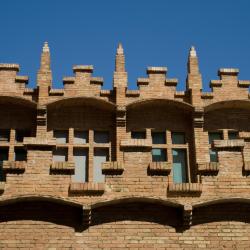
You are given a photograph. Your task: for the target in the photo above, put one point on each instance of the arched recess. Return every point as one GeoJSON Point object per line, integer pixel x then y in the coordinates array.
{"type": "Point", "coordinates": [227, 209]}
{"type": "Point", "coordinates": [81, 112]}
{"type": "Point", "coordinates": [17, 113]}
{"type": "Point", "coordinates": [41, 208]}
{"type": "Point", "coordinates": [167, 116]}
{"type": "Point", "coordinates": [230, 114]}
{"type": "Point", "coordinates": [145, 209]}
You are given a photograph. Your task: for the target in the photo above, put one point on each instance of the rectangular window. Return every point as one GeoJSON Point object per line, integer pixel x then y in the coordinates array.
{"type": "Point", "coordinates": [178, 138]}
{"type": "Point", "coordinates": [61, 136]}
{"type": "Point", "coordinates": [214, 136]}
{"type": "Point", "coordinates": [232, 135]}
{"type": "Point", "coordinates": [20, 154]}
{"type": "Point", "coordinates": [81, 137]}
{"type": "Point", "coordinates": [4, 154]}
{"type": "Point", "coordinates": [100, 156]}
{"type": "Point", "coordinates": [101, 137]}
{"type": "Point", "coordinates": [158, 137]}
{"type": "Point", "coordinates": [60, 154]}
{"type": "Point", "coordinates": [179, 166]}
{"type": "Point", "coordinates": [81, 163]}
{"type": "Point", "coordinates": [159, 154]}
{"type": "Point", "coordinates": [20, 134]}
{"type": "Point", "coordinates": [213, 155]}
{"type": "Point", "coordinates": [138, 134]}
{"type": "Point", "coordinates": [4, 135]}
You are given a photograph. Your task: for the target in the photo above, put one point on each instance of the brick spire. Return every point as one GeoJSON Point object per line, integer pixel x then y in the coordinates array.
{"type": "Point", "coordinates": [120, 59]}
{"type": "Point", "coordinates": [194, 78]}
{"type": "Point", "coordinates": [45, 58]}
{"type": "Point", "coordinates": [44, 75]}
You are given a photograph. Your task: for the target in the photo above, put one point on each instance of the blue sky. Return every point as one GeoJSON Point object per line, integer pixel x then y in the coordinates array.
{"type": "Point", "coordinates": [153, 33]}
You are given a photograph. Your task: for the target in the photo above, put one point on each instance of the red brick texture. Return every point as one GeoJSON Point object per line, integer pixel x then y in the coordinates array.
{"type": "Point", "coordinates": [138, 205]}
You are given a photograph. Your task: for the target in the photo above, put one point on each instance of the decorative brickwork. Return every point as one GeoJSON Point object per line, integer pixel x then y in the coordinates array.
{"type": "Point", "coordinates": [151, 168]}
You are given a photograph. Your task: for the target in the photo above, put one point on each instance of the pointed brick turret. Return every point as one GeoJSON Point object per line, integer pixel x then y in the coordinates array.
{"type": "Point", "coordinates": [120, 59]}
{"type": "Point", "coordinates": [194, 79]}
{"type": "Point", "coordinates": [120, 86]}
{"type": "Point", "coordinates": [44, 75]}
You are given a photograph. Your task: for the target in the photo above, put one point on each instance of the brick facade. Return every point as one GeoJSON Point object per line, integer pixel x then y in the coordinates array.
{"type": "Point", "coordinates": [141, 203]}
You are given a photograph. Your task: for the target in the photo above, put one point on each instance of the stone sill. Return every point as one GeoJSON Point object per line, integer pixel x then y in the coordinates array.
{"type": "Point", "coordinates": [208, 167]}
{"type": "Point", "coordinates": [12, 166]}
{"type": "Point", "coordinates": [237, 143]}
{"type": "Point", "coordinates": [247, 166]}
{"type": "Point", "coordinates": [86, 188]}
{"type": "Point", "coordinates": [112, 168]}
{"type": "Point", "coordinates": [159, 168]}
{"type": "Point", "coordinates": [244, 135]}
{"type": "Point", "coordinates": [2, 186]}
{"type": "Point", "coordinates": [62, 167]}
{"type": "Point", "coordinates": [141, 143]}
{"type": "Point", "coordinates": [185, 188]}
{"type": "Point", "coordinates": [39, 142]}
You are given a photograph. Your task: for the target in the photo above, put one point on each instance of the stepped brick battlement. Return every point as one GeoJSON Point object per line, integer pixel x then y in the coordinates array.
{"type": "Point", "coordinates": [150, 168]}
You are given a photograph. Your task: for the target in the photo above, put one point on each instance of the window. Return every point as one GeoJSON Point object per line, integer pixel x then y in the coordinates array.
{"type": "Point", "coordinates": [4, 154]}
{"type": "Point", "coordinates": [179, 166]}
{"type": "Point", "coordinates": [214, 136]}
{"type": "Point", "coordinates": [158, 155]}
{"type": "Point", "coordinates": [60, 154]}
{"type": "Point", "coordinates": [212, 153]}
{"type": "Point", "coordinates": [178, 138]}
{"type": "Point", "coordinates": [61, 136]}
{"type": "Point", "coordinates": [20, 154]}
{"type": "Point", "coordinates": [101, 137]}
{"type": "Point", "coordinates": [100, 155]}
{"type": "Point", "coordinates": [81, 161]}
{"type": "Point", "coordinates": [232, 135]}
{"type": "Point", "coordinates": [81, 137]}
{"type": "Point", "coordinates": [138, 134]}
{"type": "Point", "coordinates": [158, 137]}
{"type": "Point", "coordinates": [20, 134]}
{"type": "Point", "coordinates": [4, 135]}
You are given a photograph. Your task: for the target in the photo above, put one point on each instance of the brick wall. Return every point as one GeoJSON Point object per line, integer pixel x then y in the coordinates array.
{"type": "Point", "coordinates": [139, 205]}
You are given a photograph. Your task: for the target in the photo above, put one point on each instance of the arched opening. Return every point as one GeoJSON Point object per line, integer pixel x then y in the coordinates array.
{"type": "Point", "coordinates": [231, 209]}
{"type": "Point", "coordinates": [138, 209]}
{"type": "Point", "coordinates": [87, 125]}
{"type": "Point", "coordinates": [167, 124]}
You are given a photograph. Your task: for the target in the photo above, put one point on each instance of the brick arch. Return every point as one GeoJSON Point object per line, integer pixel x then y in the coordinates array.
{"type": "Point", "coordinates": [149, 101]}
{"type": "Point", "coordinates": [227, 209]}
{"type": "Point", "coordinates": [17, 100]}
{"type": "Point", "coordinates": [41, 208]}
{"type": "Point", "coordinates": [228, 104]}
{"type": "Point", "coordinates": [145, 209]}
{"type": "Point", "coordinates": [77, 101]}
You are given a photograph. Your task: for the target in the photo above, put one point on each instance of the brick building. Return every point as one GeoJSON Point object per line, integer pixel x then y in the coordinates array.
{"type": "Point", "coordinates": [153, 168]}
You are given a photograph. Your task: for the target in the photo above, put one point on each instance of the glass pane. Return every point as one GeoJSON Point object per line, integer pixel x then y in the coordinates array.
{"type": "Point", "coordinates": [20, 155]}
{"type": "Point", "coordinates": [4, 152]}
{"type": "Point", "coordinates": [138, 134]}
{"type": "Point", "coordinates": [100, 156]}
{"type": "Point", "coordinates": [80, 159]}
{"type": "Point", "coordinates": [232, 135]}
{"type": "Point", "coordinates": [61, 136]}
{"type": "Point", "coordinates": [179, 166]}
{"type": "Point", "coordinates": [214, 136]}
{"type": "Point", "coordinates": [60, 154]}
{"type": "Point", "coordinates": [4, 135]}
{"type": "Point", "coordinates": [158, 137]}
{"type": "Point", "coordinates": [20, 134]}
{"type": "Point", "coordinates": [159, 154]}
{"type": "Point", "coordinates": [213, 156]}
{"type": "Point", "coordinates": [101, 137]}
{"type": "Point", "coordinates": [81, 137]}
{"type": "Point", "coordinates": [178, 138]}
